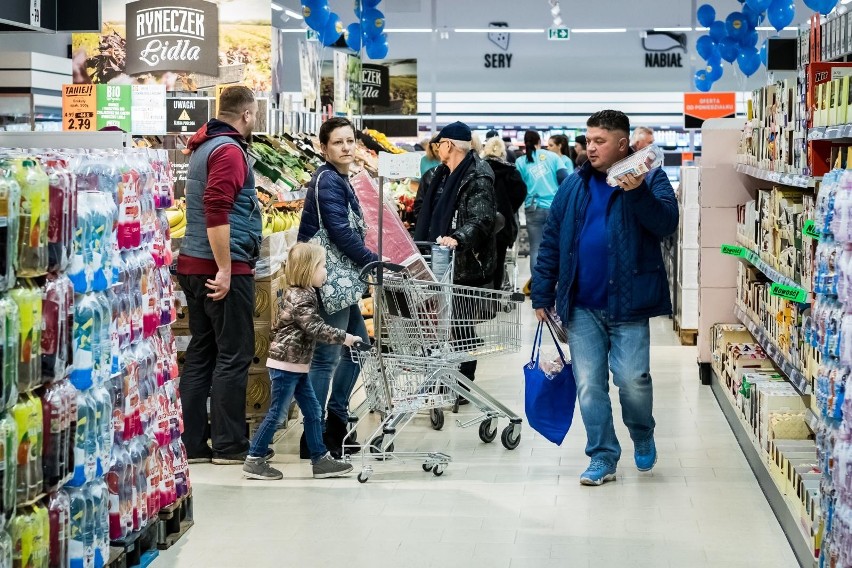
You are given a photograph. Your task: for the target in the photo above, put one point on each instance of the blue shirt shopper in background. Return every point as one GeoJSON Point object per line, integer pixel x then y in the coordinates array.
{"type": "Point", "coordinates": [542, 172]}
{"type": "Point", "coordinates": [611, 282]}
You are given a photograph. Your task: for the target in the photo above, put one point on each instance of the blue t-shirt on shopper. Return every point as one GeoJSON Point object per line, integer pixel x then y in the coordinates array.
{"type": "Point", "coordinates": [540, 177]}
{"type": "Point", "coordinates": [593, 257]}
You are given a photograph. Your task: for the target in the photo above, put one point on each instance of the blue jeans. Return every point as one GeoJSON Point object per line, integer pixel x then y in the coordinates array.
{"type": "Point", "coordinates": [536, 220]}
{"type": "Point", "coordinates": [285, 385]}
{"type": "Point", "coordinates": [598, 346]}
{"type": "Point", "coordinates": [332, 366]}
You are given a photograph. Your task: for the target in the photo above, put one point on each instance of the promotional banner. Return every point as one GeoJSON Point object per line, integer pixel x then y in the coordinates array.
{"type": "Point", "coordinates": [394, 84]}
{"type": "Point", "coordinates": [186, 115]}
{"type": "Point", "coordinates": [79, 105]}
{"type": "Point", "coordinates": [375, 85]}
{"type": "Point", "coordinates": [182, 44]}
{"type": "Point", "coordinates": [114, 106]}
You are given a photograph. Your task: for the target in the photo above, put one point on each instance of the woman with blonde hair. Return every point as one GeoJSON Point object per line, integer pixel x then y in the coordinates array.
{"type": "Point", "coordinates": [430, 160]}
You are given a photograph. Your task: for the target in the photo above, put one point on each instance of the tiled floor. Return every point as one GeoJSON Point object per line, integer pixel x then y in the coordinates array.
{"type": "Point", "coordinates": [701, 506]}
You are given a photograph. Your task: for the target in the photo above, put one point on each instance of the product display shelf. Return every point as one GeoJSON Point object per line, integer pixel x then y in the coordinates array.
{"type": "Point", "coordinates": [793, 180]}
{"type": "Point", "coordinates": [754, 259]}
{"type": "Point", "coordinates": [838, 132]}
{"type": "Point", "coordinates": [757, 460]}
{"type": "Point", "coordinates": [794, 374]}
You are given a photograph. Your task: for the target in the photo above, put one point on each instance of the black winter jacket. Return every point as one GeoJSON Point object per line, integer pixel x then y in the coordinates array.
{"type": "Point", "coordinates": [511, 192]}
{"type": "Point", "coordinates": [473, 224]}
{"type": "Point", "coordinates": [335, 197]}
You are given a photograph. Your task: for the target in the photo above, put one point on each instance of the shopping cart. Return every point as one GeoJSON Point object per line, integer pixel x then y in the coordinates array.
{"type": "Point", "coordinates": [424, 330]}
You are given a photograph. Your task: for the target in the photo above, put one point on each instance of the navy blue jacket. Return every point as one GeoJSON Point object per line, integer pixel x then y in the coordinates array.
{"type": "Point", "coordinates": [335, 197]}
{"type": "Point", "coordinates": [636, 222]}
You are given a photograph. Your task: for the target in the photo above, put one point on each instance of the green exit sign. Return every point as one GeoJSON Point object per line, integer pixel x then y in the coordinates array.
{"type": "Point", "coordinates": [558, 34]}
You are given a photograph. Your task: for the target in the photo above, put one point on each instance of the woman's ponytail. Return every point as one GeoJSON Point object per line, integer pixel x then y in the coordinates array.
{"type": "Point", "coordinates": [531, 140]}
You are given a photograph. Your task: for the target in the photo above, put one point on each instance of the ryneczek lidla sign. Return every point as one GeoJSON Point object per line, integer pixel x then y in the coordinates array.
{"type": "Point", "coordinates": [182, 35]}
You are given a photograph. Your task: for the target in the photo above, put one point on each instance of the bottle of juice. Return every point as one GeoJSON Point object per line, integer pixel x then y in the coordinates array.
{"type": "Point", "coordinates": [129, 208]}
{"type": "Point", "coordinates": [52, 404]}
{"type": "Point", "coordinates": [21, 413]}
{"type": "Point", "coordinates": [6, 549]}
{"type": "Point", "coordinates": [54, 320]}
{"type": "Point", "coordinates": [35, 424]}
{"type": "Point", "coordinates": [34, 212]}
{"type": "Point", "coordinates": [86, 330]}
{"type": "Point", "coordinates": [28, 299]}
{"type": "Point", "coordinates": [59, 510]}
{"type": "Point", "coordinates": [118, 504]}
{"type": "Point", "coordinates": [154, 476]}
{"type": "Point", "coordinates": [11, 351]}
{"type": "Point", "coordinates": [181, 468]}
{"type": "Point", "coordinates": [40, 520]}
{"type": "Point", "coordinates": [21, 531]}
{"type": "Point", "coordinates": [10, 197]}
{"type": "Point", "coordinates": [9, 473]}
{"type": "Point", "coordinates": [62, 188]}
{"type": "Point", "coordinates": [132, 371]}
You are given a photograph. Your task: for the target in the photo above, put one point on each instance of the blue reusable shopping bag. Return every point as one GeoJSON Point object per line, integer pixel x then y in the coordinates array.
{"type": "Point", "coordinates": [549, 399]}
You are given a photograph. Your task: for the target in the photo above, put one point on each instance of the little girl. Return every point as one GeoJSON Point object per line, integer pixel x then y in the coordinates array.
{"type": "Point", "coordinates": [295, 335]}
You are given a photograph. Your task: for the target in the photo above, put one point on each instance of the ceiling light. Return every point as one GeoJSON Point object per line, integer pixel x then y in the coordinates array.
{"type": "Point", "coordinates": [555, 10]}
{"type": "Point", "coordinates": [599, 30]}
{"type": "Point", "coordinates": [672, 29]}
{"type": "Point", "coordinates": [292, 14]}
{"type": "Point", "coordinates": [557, 21]}
{"type": "Point", "coordinates": [292, 30]}
{"type": "Point", "coordinates": [499, 30]}
{"type": "Point", "coordinates": [702, 29]}
{"type": "Point", "coordinates": [277, 7]}
{"type": "Point", "coordinates": [409, 30]}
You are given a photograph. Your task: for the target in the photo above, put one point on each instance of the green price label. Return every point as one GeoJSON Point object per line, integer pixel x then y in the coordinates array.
{"type": "Point", "coordinates": [733, 250]}
{"type": "Point", "coordinates": [792, 293]}
{"type": "Point", "coordinates": [809, 230]}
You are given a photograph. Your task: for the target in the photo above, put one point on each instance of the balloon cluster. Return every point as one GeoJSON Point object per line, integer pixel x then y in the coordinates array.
{"type": "Point", "coordinates": [368, 32]}
{"type": "Point", "coordinates": [736, 38]}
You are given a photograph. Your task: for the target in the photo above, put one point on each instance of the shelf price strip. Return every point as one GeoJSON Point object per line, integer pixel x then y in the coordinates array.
{"type": "Point", "coordinates": [783, 281]}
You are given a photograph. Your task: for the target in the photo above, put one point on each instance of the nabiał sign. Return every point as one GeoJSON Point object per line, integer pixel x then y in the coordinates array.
{"type": "Point", "coordinates": [182, 35]}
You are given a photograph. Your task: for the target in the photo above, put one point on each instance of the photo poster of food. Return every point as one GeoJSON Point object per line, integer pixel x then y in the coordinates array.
{"type": "Point", "coordinates": [390, 87]}
{"type": "Point", "coordinates": [340, 83]}
{"type": "Point", "coordinates": [309, 73]}
{"type": "Point", "coordinates": [184, 44]}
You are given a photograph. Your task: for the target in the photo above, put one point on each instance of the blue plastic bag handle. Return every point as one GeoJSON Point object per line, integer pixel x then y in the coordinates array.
{"type": "Point", "coordinates": [535, 356]}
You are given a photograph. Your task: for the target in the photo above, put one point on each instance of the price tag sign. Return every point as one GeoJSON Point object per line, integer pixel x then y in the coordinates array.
{"type": "Point", "coordinates": [399, 166]}
{"type": "Point", "coordinates": [114, 106]}
{"type": "Point", "coordinates": [791, 293]}
{"type": "Point", "coordinates": [79, 104]}
{"type": "Point", "coordinates": [734, 250]}
{"type": "Point", "coordinates": [809, 230]}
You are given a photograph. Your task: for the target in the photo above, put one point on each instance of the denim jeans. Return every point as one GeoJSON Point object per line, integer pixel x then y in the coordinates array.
{"type": "Point", "coordinates": [332, 366]}
{"type": "Point", "coordinates": [598, 346]}
{"type": "Point", "coordinates": [536, 220]}
{"type": "Point", "coordinates": [217, 363]}
{"type": "Point", "coordinates": [285, 385]}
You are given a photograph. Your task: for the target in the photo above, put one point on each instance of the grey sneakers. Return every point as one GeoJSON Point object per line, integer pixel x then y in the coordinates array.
{"type": "Point", "coordinates": [259, 468]}
{"type": "Point", "coordinates": [327, 466]}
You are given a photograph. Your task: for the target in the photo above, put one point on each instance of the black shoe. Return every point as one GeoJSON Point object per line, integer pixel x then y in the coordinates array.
{"type": "Point", "coordinates": [200, 457]}
{"type": "Point", "coordinates": [463, 401]}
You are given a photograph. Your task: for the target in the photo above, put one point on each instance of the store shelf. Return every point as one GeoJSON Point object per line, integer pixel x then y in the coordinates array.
{"type": "Point", "coordinates": [794, 374]}
{"type": "Point", "coordinates": [754, 259]}
{"type": "Point", "coordinates": [793, 180]}
{"type": "Point", "coordinates": [838, 132]}
{"type": "Point", "coordinates": [813, 420]}
{"type": "Point", "coordinates": [757, 461]}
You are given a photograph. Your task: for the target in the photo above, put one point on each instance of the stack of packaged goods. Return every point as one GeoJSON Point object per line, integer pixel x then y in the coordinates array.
{"type": "Point", "coordinates": [830, 330]}
{"type": "Point", "coordinates": [88, 359]}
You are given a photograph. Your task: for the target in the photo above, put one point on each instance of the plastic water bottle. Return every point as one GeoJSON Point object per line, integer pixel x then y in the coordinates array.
{"type": "Point", "coordinates": [77, 527]}
{"type": "Point", "coordinates": [59, 511]}
{"type": "Point", "coordinates": [85, 333]}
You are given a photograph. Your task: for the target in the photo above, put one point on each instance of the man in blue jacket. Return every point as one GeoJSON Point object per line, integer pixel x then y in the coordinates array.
{"type": "Point", "coordinates": [601, 266]}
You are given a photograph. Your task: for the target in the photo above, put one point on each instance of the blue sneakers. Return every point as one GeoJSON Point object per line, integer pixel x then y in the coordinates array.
{"type": "Point", "coordinates": [645, 454]}
{"type": "Point", "coordinates": [598, 473]}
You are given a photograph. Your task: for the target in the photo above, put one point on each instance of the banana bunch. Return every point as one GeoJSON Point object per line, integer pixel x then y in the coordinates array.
{"type": "Point", "coordinates": [384, 142]}
{"type": "Point", "coordinates": [177, 219]}
{"type": "Point", "coordinates": [277, 221]}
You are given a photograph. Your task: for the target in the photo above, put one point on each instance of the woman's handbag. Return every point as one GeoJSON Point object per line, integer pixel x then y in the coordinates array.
{"type": "Point", "coordinates": [343, 288]}
{"type": "Point", "coordinates": [550, 399]}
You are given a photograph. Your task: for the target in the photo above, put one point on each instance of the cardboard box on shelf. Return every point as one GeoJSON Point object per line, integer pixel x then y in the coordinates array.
{"type": "Point", "coordinates": [267, 297]}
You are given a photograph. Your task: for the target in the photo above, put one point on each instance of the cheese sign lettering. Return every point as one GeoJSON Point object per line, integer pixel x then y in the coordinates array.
{"type": "Point", "coordinates": [791, 293]}
{"type": "Point", "coordinates": [181, 36]}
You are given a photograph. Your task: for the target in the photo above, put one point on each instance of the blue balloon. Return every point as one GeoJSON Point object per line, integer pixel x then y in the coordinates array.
{"type": "Point", "coordinates": [373, 23]}
{"type": "Point", "coordinates": [717, 31]}
{"type": "Point", "coordinates": [314, 3]}
{"type": "Point", "coordinates": [714, 72]}
{"type": "Point", "coordinates": [781, 13]}
{"type": "Point", "coordinates": [736, 25]}
{"type": "Point", "coordinates": [764, 54]}
{"type": "Point", "coordinates": [706, 15]}
{"type": "Point", "coordinates": [702, 83]}
{"type": "Point", "coordinates": [758, 5]}
{"type": "Point", "coordinates": [316, 17]}
{"type": "Point", "coordinates": [753, 17]}
{"type": "Point", "coordinates": [378, 47]}
{"type": "Point", "coordinates": [705, 46]}
{"type": "Point", "coordinates": [729, 49]}
{"type": "Point", "coordinates": [827, 6]}
{"type": "Point", "coordinates": [750, 39]}
{"type": "Point", "coordinates": [370, 3]}
{"type": "Point", "coordinates": [749, 61]}
{"type": "Point", "coordinates": [332, 32]}
{"type": "Point", "coordinates": [353, 36]}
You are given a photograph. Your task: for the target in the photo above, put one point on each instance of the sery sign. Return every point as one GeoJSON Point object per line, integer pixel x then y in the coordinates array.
{"type": "Point", "coordinates": [182, 36]}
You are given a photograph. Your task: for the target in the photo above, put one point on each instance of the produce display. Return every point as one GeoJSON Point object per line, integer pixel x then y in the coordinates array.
{"type": "Point", "coordinates": [384, 142]}
{"type": "Point", "coordinates": [90, 415]}
{"type": "Point", "coordinates": [286, 162]}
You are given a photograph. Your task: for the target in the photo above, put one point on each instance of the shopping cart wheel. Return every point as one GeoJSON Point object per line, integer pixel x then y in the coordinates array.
{"type": "Point", "coordinates": [377, 446]}
{"type": "Point", "coordinates": [438, 470]}
{"type": "Point", "coordinates": [437, 417]}
{"type": "Point", "coordinates": [363, 477]}
{"type": "Point", "coordinates": [510, 442]}
{"type": "Point", "coordinates": [427, 467]}
{"type": "Point", "coordinates": [488, 430]}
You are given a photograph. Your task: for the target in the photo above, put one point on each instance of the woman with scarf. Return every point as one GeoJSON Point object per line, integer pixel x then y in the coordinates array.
{"type": "Point", "coordinates": [459, 211]}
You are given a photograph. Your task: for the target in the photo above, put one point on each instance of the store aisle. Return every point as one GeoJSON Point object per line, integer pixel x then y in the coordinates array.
{"type": "Point", "coordinates": [701, 506]}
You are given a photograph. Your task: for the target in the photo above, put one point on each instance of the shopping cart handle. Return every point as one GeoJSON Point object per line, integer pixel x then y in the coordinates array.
{"type": "Point", "coordinates": [362, 346]}
{"type": "Point", "coordinates": [380, 264]}
{"type": "Point", "coordinates": [518, 297]}
{"type": "Point", "coordinates": [424, 245]}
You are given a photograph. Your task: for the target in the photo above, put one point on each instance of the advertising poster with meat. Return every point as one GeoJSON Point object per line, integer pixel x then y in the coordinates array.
{"type": "Point", "coordinates": [183, 44]}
